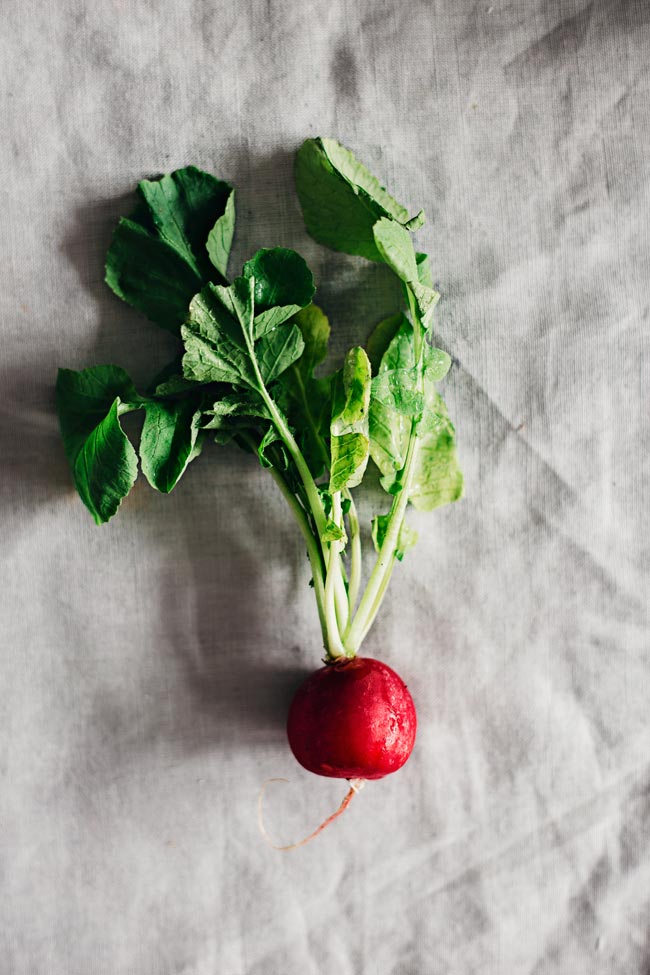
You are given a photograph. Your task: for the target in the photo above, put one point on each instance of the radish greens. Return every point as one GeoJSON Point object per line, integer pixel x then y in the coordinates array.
{"type": "Point", "coordinates": [246, 374]}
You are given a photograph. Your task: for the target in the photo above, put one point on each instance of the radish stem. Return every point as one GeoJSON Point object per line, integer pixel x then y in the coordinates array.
{"type": "Point", "coordinates": [313, 549]}
{"type": "Point", "coordinates": [383, 567]}
{"type": "Point", "coordinates": [335, 611]}
{"type": "Point", "coordinates": [355, 553]}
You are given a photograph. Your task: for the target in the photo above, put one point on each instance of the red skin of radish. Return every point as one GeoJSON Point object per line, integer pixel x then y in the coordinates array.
{"type": "Point", "coordinates": [352, 720]}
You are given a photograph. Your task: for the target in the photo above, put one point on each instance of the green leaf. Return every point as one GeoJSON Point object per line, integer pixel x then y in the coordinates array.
{"type": "Point", "coordinates": [356, 174]}
{"type": "Point", "coordinates": [326, 498]}
{"type": "Point", "coordinates": [415, 222]}
{"type": "Point", "coordinates": [277, 350]}
{"type": "Point", "coordinates": [241, 407]}
{"type": "Point", "coordinates": [270, 437]}
{"type": "Point", "coordinates": [407, 536]}
{"type": "Point", "coordinates": [238, 412]}
{"type": "Point", "coordinates": [309, 400]}
{"type": "Point", "coordinates": [184, 207]}
{"type": "Point", "coordinates": [219, 339]}
{"type": "Point", "coordinates": [220, 238]}
{"type": "Point", "coordinates": [334, 214]}
{"type": "Point", "coordinates": [340, 199]}
{"type": "Point", "coordinates": [397, 389]}
{"type": "Point", "coordinates": [237, 301]}
{"type": "Point", "coordinates": [395, 386]}
{"type": "Point", "coordinates": [425, 276]}
{"type": "Point", "coordinates": [158, 258]}
{"type": "Point", "coordinates": [389, 426]}
{"type": "Point", "coordinates": [437, 477]}
{"type": "Point", "coordinates": [315, 330]}
{"type": "Point", "coordinates": [352, 393]}
{"type": "Point", "coordinates": [84, 398]}
{"type": "Point", "coordinates": [426, 299]}
{"type": "Point", "coordinates": [103, 463]}
{"type": "Point", "coordinates": [395, 245]}
{"type": "Point", "coordinates": [214, 345]}
{"type": "Point", "coordinates": [399, 352]}
{"type": "Point", "coordinates": [333, 533]}
{"type": "Point", "coordinates": [106, 467]}
{"type": "Point", "coordinates": [149, 275]}
{"type": "Point", "coordinates": [349, 460]}
{"type": "Point", "coordinates": [389, 434]}
{"type": "Point", "coordinates": [380, 525]}
{"type": "Point", "coordinates": [349, 442]}
{"type": "Point", "coordinates": [171, 439]}
{"type": "Point", "coordinates": [283, 285]}
{"type": "Point", "coordinates": [381, 337]}
{"type": "Point", "coordinates": [436, 363]}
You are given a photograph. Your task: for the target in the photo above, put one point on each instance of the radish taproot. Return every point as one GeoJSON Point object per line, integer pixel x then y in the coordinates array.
{"type": "Point", "coordinates": [245, 374]}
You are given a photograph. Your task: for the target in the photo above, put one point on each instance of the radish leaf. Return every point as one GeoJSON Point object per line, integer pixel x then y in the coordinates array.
{"type": "Point", "coordinates": [349, 460]}
{"type": "Point", "coordinates": [349, 427]}
{"type": "Point", "coordinates": [103, 461]}
{"type": "Point", "coordinates": [381, 337]}
{"type": "Point", "coordinates": [333, 533]}
{"type": "Point", "coordinates": [84, 398]}
{"type": "Point", "coordinates": [357, 176]}
{"type": "Point", "coordinates": [214, 348]}
{"type": "Point", "coordinates": [341, 200]}
{"type": "Point", "coordinates": [397, 389]}
{"type": "Point", "coordinates": [184, 207]}
{"type": "Point", "coordinates": [158, 258]}
{"type": "Point", "coordinates": [276, 351]}
{"type": "Point", "coordinates": [104, 464]}
{"type": "Point", "coordinates": [393, 402]}
{"type": "Point", "coordinates": [240, 408]}
{"type": "Point", "coordinates": [271, 437]}
{"type": "Point", "coordinates": [436, 364]}
{"type": "Point", "coordinates": [149, 274]}
{"type": "Point", "coordinates": [437, 478]}
{"type": "Point", "coordinates": [396, 405]}
{"type": "Point", "coordinates": [406, 539]}
{"type": "Point", "coordinates": [395, 245]}
{"type": "Point", "coordinates": [220, 344]}
{"type": "Point", "coordinates": [220, 237]}
{"type": "Point", "coordinates": [283, 285]}
{"type": "Point", "coordinates": [171, 438]}
{"type": "Point", "coordinates": [308, 399]}
{"type": "Point", "coordinates": [424, 269]}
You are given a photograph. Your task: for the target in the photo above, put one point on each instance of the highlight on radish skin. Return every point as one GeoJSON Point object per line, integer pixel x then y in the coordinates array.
{"type": "Point", "coordinates": [353, 719]}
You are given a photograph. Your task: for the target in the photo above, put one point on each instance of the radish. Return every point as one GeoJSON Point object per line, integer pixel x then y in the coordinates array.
{"type": "Point", "coordinates": [353, 719]}
{"type": "Point", "coordinates": [248, 372]}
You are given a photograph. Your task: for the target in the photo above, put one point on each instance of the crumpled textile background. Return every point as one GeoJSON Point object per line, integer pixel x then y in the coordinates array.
{"type": "Point", "coordinates": [146, 665]}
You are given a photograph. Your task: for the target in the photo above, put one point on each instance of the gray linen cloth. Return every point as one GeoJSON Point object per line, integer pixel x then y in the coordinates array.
{"type": "Point", "coordinates": [147, 665]}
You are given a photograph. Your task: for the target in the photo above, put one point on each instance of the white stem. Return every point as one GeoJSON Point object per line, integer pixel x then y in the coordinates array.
{"type": "Point", "coordinates": [336, 609]}
{"type": "Point", "coordinates": [355, 554]}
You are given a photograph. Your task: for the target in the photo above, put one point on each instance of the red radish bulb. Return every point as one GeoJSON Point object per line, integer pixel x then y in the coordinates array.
{"type": "Point", "coordinates": [353, 719]}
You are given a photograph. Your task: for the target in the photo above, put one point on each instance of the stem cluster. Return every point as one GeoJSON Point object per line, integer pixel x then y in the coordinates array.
{"type": "Point", "coordinates": [345, 613]}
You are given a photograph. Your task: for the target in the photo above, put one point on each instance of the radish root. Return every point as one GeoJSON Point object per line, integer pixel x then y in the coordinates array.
{"type": "Point", "coordinates": [356, 785]}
